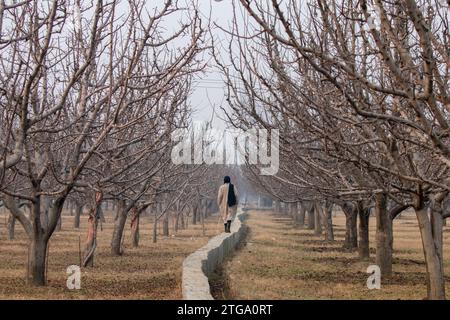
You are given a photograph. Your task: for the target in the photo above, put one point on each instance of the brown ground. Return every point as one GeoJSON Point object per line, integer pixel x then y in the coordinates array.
{"type": "Point", "coordinates": [281, 261]}
{"type": "Point", "coordinates": [152, 271]}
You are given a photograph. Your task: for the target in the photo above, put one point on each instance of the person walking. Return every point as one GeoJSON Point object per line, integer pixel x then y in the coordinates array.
{"type": "Point", "coordinates": [227, 200]}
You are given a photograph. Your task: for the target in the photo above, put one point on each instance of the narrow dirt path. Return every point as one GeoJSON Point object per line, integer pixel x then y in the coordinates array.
{"type": "Point", "coordinates": [278, 260]}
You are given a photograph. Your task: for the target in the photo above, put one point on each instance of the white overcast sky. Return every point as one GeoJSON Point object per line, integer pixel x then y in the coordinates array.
{"type": "Point", "coordinates": [209, 90]}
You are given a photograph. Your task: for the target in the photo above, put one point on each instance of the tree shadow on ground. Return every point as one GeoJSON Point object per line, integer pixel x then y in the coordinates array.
{"type": "Point", "coordinates": [325, 249]}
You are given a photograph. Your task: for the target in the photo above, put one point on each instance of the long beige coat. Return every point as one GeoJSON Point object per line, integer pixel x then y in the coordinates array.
{"type": "Point", "coordinates": [227, 213]}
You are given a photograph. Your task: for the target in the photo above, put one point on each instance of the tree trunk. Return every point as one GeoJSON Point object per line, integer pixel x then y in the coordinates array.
{"type": "Point", "coordinates": [91, 239]}
{"type": "Point", "coordinates": [91, 242]}
{"type": "Point", "coordinates": [155, 227]}
{"type": "Point", "coordinates": [311, 218]}
{"type": "Point", "coordinates": [37, 250]}
{"type": "Point", "coordinates": [363, 244]}
{"type": "Point", "coordinates": [437, 228]}
{"type": "Point", "coordinates": [11, 226]}
{"type": "Point", "coordinates": [194, 214]}
{"type": "Point", "coordinates": [294, 211]}
{"type": "Point", "coordinates": [78, 211]}
{"type": "Point", "coordinates": [119, 207]}
{"type": "Point", "coordinates": [71, 208]}
{"type": "Point", "coordinates": [433, 259]}
{"type": "Point", "coordinates": [59, 225]}
{"type": "Point", "coordinates": [277, 206]}
{"type": "Point", "coordinates": [102, 215]}
{"type": "Point", "coordinates": [203, 214]}
{"type": "Point", "coordinates": [135, 229]}
{"type": "Point", "coordinates": [119, 226]}
{"type": "Point", "coordinates": [179, 214]}
{"type": "Point", "coordinates": [166, 224]}
{"type": "Point", "coordinates": [47, 204]}
{"type": "Point", "coordinates": [351, 219]}
{"type": "Point", "coordinates": [37, 254]}
{"type": "Point", "coordinates": [199, 212]}
{"type": "Point", "coordinates": [301, 216]}
{"type": "Point", "coordinates": [328, 221]}
{"type": "Point", "coordinates": [318, 220]}
{"type": "Point", "coordinates": [44, 218]}
{"type": "Point", "coordinates": [177, 223]}
{"type": "Point", "coordinates": [284, 208]}
{"type": "Point", "coordinates": [384, 236]}
{"type": "Point", "coordinates": [183, 225]}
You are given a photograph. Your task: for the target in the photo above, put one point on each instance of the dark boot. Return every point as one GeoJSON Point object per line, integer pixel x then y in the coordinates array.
{"type": "Point", "coordinates": [229, 226]}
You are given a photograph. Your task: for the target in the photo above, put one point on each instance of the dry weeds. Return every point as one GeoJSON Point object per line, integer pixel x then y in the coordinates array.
{"type": "Point", "coordinates": [282, 261]}
{"type": "Point", "coordinates": [152, 271]}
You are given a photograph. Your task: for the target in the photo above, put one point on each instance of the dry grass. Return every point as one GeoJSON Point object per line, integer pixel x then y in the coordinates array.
{"type": "Point", "coordinates": [281, 261]}
{"type": "Point", "coordinates": [152, 271]}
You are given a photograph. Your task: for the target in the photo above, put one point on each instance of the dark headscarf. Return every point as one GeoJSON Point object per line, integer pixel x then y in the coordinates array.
{"type": "Point", "coordinates": [231, 195]}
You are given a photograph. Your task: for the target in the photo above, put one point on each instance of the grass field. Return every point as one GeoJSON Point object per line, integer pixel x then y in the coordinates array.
{"type": "Point", "coordinates": [281, 261]}
{"type": "Point", "coordinates": [152, 271]}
